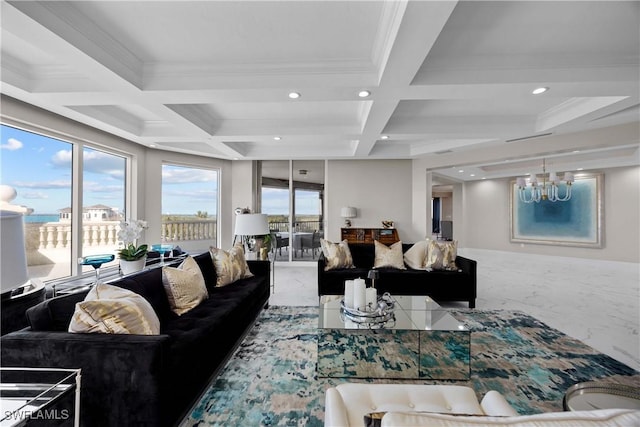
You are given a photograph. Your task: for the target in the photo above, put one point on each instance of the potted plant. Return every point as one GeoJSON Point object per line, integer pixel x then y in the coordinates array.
{"type": "Point", "coordinates": [132, 257]}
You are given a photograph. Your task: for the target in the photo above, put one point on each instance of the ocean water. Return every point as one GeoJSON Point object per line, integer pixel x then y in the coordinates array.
{"type": "Point", "coordinates": [41, 218]}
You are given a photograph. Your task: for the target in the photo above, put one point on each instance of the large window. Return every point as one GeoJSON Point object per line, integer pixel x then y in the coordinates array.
{"type": "Point", "coordinates": [42, 171]}
{"type": "Point", "coordinates": [189, 207]}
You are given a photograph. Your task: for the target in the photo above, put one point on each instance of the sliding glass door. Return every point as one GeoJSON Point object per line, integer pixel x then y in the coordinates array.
{"type": "Point", "coordinates": [292, 196]}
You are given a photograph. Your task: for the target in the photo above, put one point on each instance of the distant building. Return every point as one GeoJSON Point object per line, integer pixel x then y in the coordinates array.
{"type": "Point", "coordinates": [93, 213]}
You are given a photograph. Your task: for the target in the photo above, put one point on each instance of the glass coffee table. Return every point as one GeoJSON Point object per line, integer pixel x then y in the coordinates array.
{"type": "Point", "coordinates": [39, 396]}
{"type": "Point", "coordinates": [421, 341]}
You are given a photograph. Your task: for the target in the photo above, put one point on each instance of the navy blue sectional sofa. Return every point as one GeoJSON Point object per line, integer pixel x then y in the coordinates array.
{"type": "Point", "coordinates": [440, 285]}
{"type": "Point", "coordinates": [144, 380]}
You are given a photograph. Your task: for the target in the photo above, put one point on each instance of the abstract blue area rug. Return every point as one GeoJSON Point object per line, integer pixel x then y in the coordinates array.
{"type": "Point", "coordinates": [271, 379]}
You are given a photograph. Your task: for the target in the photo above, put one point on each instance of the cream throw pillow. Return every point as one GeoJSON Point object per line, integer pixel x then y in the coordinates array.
{"type": "Point", "coordinates": [230, 265]}
{"type": "Point", "coordinates": [388, 256]}
{"type": "Point", "coordinates": [113, 310]}
{"type": "Point", "coordinates": [416, 256]}
{"type": "Point", "coordinates": [337, 255]}
{"type": "Point", "coordinates": [442, 255]}
{"type": "Point", "coordinates": [184, 286]}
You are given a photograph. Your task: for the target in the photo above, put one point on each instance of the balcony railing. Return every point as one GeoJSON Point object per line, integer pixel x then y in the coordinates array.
{"type": "Point", "coordinates": [301, 226]}
{"type": "Point", "coordinates": [188, 230]}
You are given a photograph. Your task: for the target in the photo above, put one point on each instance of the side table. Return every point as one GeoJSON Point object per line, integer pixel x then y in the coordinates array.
{"type": "Point", "coordinates": [589, 396]}
{"type": "Point", "coordinates": [39, 396]}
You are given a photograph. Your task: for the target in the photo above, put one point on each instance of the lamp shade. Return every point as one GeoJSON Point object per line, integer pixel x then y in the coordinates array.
{"type": "Point", "coordinates": [252, 225]}
{"type": "Point", "coordinates": [348, 212]}
{"type": "Point", "coordinates": [13, 266]}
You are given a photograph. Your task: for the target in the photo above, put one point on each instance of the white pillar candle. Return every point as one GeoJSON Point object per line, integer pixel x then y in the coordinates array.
{"type": "Point", "coordinates": [348, 293]}
{"type": "Point", "coordinates": [372, 299]}
{"type": "Point", "coordinates": [359, 295]}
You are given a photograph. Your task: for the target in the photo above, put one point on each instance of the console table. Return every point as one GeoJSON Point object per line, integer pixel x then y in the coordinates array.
{"type": "Point", "coordinates": [387, 236]}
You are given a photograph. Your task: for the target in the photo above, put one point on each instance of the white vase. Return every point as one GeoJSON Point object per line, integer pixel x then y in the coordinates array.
{"type": "Point", "coordinates": [129, 267]}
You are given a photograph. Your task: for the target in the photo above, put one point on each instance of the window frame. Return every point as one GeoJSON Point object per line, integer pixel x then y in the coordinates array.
{"type": "Point", "coordinates": [77, 176]}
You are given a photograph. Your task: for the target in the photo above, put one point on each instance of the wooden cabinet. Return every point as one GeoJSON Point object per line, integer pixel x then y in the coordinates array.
{"type": "Point", "coordinates": [387, 236]}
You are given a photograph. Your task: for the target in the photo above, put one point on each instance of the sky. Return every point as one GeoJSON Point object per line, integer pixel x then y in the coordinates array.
{"type": "Point", "coordinates": [39, 168]}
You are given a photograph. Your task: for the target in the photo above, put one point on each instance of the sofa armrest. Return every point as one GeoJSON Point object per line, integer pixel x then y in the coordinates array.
{"type": "Point", "coordinates": [322, 262]}
{"type": "Point", "coordinates": [467, 265]}
{"type": "Point", "coordinates": [260, 268]}
{"type": "Point", "coordinates": [122, 375]}
{"type": "Point", "coordinates": [335, 412]}
{"type": "Point", "coordinates": [494, 404]}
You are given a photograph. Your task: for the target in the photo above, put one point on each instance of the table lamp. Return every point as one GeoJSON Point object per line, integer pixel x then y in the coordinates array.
{"type": "Point", "coordinates": [251, 225]}
{"type": "Point", "coordinates": [346, 213]}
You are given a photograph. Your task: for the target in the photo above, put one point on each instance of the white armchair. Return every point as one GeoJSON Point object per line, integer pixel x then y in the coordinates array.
{"type": "Point", "coordinates": [347, 404]}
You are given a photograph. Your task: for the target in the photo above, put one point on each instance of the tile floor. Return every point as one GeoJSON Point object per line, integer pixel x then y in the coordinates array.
{"type": "Point", "coordinates": [597, 302]}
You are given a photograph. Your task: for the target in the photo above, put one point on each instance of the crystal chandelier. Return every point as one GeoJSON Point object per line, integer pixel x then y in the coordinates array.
{"type": "Point", "coordinates": [548, 190]}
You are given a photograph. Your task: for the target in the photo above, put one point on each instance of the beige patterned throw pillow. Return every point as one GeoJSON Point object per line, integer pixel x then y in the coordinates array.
{"type": "Point", "coordinates": [337, 255]}
{"type": "Point", "coordinates": [113, 310]}
{"type": "Point", "coordinates": [416, 256]}
{"type": "Point", "coordinates": [442, 255]}
{"type": "Point", "coordinates": [388, 256]}
{"type": "Point", "coordinates": [230, 265]}
{"type": "Point", "coordinates": [184, 286]}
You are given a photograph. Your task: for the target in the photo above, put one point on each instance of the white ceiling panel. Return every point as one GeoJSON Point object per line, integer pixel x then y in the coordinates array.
{"type": "Point", "coordinates": [449, 82]}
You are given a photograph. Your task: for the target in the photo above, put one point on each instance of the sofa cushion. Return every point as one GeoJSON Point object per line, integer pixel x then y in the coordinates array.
{"type": "Point", "coordinates": [337, 255]}
{"type": "Point", "coordinates": [416, 256]}
{"type": "Point", "coordinates": [230, 265]}
{"type": "Point", "coordinates": [113, 310]}
{"type": "Point", "coordinates": [149, 284]}
{"type": "Point", "coordinates": [184, 285]}
{"type": "Point", "coordinates": [442, 255]}
{"type": "Point", "coordinates": [597, 418]}
{"type": "Point", "coordinates": [208, 270]}
{"type": "Point", "coordinates": [388, 256]}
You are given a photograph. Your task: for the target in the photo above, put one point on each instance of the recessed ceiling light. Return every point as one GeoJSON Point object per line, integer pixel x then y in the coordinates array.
{"type": "Point", "coordinates": [294, 95]}
{"type": "Point", "coordinates": [580, 169]}
{"type": "Point", "coordinates": [277, 138]}
{"type": "Point", "coordinates": [461, 170]}
{"type": "Point", "coordinates": [539, 90]}
{"type": "Point", "coordinates": [384, 137]}
{"type": "Point", "coordinates": [152, 145]}
{"type": "Point", "coordinates": [473, 174]}
{"type": "Point", "coordinates": [364, 93]}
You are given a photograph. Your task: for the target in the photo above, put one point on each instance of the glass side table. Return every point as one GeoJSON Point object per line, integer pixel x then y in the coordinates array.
{"type": "Point", "coordinates": [589, 396]}
{"type": "Point", "coordinates": [39, 396]}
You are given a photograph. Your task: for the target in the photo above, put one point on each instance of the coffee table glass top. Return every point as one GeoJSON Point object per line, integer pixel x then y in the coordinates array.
{"type": "Point", "coordinates": [412, 312]}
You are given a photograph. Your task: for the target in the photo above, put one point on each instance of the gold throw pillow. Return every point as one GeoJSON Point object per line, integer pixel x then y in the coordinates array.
{"type": "Point", "coordinates": [110, 309]}
{"type": "Point", "coordinates": [184, 286]}
{"type": "Point", "coordinates": [388, 256]}
{"type": "Point", "coordinates": [337, 255]}
{"type": "Point", "coordinates": [230, 265]}
{"type": "Point", "coordinates": [442, 255]}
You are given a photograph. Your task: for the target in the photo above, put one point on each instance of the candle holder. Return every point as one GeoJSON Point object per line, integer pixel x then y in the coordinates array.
{"type": "Point", "coordinates": [373, 275]}
{"type": "Point", "coordinates": [373, 317]}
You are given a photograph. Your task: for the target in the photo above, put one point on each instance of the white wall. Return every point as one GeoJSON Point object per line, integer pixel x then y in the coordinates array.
{"type": "Point", "coordinates": [486, 219]}
{"type": "Point", "coordinates": [379, 189]}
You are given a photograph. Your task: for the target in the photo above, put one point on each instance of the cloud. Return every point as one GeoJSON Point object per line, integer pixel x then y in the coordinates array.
{"type": "Point", "coordinates": [46, 185]}
{"type": "Point", "coordinates": [11, 145]}
{"type": "Point", "coordinates": [35, 196]}
{"type": "Point", "coordinates": [171, 175]}
{"type": "Point", "coordinates": [93, 162]}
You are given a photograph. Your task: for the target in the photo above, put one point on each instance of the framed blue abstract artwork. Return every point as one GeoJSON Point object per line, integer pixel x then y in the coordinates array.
{"type": "Point", "coordinates": [575, 222]}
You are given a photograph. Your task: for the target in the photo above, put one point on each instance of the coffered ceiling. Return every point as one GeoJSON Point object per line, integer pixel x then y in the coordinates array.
{"type": "Point", "coordinates": [450, 82]}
